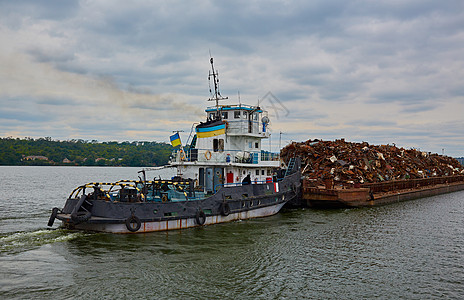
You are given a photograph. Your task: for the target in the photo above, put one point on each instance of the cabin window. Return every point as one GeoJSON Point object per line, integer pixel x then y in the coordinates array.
{"type": "Point", "coordinates": [257, 172]}
{"type": "Point", "coordinates": [225, 115]}
{"type": "Point", "coordinates": [218, 145]}
{"type": "Point", "coordinates": [244, 114]}
{"type": "Point", "coordinates": [211, 116]}
{"type": "Point", "coordinates": [250, 145]}
{"type": "Point", "coordinates": [256, 116]}
{"type": "Point", "coordinates": [221, 145]}
{"type": "Point", "coordinates": [237, 114]}
{"type": "Point", "coordinates": [268, 172]}
{"type": "Point", "coordinates": [262, 172]}
{"type": "Point", "coordinates": [256, 145]}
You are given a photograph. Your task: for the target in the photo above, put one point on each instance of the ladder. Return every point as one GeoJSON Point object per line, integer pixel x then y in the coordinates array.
{"type": "Point", "coordinates": [291, 165]}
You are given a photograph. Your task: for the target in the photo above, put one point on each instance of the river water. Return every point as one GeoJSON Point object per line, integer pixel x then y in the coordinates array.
{"type": "Point", "coordinates": [409, 250]}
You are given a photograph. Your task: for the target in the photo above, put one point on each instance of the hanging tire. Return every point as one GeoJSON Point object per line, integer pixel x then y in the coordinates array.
{"type": "Point", "coordinates": [225, 209]}
{"type": "Point", "coordinates": [200, 217]}
{"type": "Point", "coordinates": [53, 216]}
{"type": "Point", "coordinates": [80, 216]}
{"type": "Point", "coordinates": [131, 221]}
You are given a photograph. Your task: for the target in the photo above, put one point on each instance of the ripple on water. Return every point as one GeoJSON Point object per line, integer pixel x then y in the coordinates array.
{"type": "Point", "coordinates": [23, 241]}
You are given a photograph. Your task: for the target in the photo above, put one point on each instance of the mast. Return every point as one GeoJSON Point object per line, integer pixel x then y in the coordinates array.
{"type": "Point", "coordinates": [217, 95]}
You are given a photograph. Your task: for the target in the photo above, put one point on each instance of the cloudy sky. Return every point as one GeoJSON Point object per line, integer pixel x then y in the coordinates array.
{"type": "Point", "coordinates": [377, 71]}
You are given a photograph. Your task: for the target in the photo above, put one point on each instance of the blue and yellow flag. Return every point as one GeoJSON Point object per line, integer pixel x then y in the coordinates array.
{"type": "Point", "coordinates": [204, 132]}
{"type": "Point", "coordinates": [175, 139]}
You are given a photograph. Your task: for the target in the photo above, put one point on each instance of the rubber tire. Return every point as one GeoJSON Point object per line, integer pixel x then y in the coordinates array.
{"type": "Point", "coordinates": [200, 217]}
{"type": "Point", "coordinates": [131, 220]}
{"type": "Point", "coordinates": [80, 216]}
{"type": "Point", "coordinates": [52, 217]}
{"type": "Point", "coordinates": [225, 209]}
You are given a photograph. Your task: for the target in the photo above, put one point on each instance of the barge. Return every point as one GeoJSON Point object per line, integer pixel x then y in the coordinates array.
{"type": "Point", "coordinates": [379, 193]}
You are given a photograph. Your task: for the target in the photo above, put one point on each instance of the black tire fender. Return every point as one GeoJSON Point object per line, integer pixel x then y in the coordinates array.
{"type": "Point", "coordinates": [200, 217]}
{"type": "Point", "coordinates": [52, 217]}
{"type": "Point", "coordinates": [225, 209]}
{"type": "Point", "coordinates": [130, 221]}
{"type": "Point", "coordinates": [80, 216]}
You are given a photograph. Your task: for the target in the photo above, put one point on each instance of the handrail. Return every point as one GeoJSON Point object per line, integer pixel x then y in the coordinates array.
{"type": "Point", "coordinates": [263, 156]}
{"type": "Point", "coordinates": [127, 183]}
{"type": "Point", "coordinates": [393, 185]}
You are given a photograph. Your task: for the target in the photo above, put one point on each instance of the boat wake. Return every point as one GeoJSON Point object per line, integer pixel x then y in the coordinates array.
{"type": "Point", "coordinates": [21, 241]}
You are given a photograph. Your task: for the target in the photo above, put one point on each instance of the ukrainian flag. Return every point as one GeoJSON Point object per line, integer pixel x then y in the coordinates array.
{"type": "Point", "coordinates": [204, 132]}
{"type": "Point", "coordinates": [175, 139]}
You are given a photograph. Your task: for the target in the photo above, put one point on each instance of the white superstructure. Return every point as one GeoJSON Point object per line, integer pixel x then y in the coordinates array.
{"type": "Point", "coordinates": [226, 148]}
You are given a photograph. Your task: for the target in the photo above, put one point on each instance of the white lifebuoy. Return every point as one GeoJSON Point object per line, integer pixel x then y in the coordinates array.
{"type": "Point", "coordinates": [208, 155]}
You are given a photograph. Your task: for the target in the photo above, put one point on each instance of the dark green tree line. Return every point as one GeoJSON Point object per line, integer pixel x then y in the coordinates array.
{"type": "Point", "coordinates": [29, 151]}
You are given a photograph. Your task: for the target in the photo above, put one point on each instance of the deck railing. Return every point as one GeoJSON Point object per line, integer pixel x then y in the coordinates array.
{"type": "Point", "coordinates": [389, 186]}
{"type": "Point", "coordinates": [225, 156]}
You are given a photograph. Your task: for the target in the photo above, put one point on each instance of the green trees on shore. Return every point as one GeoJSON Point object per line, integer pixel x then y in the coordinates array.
{"type": "Point", "coordinates": [45, 151]}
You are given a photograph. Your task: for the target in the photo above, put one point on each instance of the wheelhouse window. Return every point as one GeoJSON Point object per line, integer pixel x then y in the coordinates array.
{"type": "Point", "coordinates": [218, 145]}
{"type": "Point", "coordinates": [225, 115]}
{"type": "Point", "coordinates": [237, 114]}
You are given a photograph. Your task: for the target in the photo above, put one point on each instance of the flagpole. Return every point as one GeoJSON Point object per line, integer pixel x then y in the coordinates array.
{"type": "Point", "coordinates": [179, 169]}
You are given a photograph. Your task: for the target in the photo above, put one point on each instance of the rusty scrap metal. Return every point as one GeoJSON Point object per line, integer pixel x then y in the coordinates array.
{"type": "Point", "coordinates": [343, 163]}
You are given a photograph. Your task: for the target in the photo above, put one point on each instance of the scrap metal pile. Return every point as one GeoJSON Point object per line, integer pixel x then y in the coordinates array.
{"type": "Point", "coordinates": [344, 163]}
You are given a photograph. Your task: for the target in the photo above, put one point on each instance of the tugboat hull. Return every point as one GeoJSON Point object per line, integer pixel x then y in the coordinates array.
{"type": "Point", "coordinates": [165, 225]}
{"type": "Point", "coordinates": [227, 205]}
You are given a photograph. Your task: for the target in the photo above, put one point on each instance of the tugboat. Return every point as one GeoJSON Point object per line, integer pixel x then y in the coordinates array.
{"type": "Point", "coordinates": [222, 176]}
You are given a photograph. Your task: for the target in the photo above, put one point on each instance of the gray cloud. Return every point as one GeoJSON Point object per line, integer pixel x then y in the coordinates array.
{"type": "Point", "coordinates": [380, 71]}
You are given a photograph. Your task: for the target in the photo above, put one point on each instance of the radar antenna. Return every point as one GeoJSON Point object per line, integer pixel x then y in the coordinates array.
{"type": "Point", "coordinates": [217, 94]}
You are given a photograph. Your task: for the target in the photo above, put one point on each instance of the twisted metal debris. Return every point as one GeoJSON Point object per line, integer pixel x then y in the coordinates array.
{"type": "Point", "coordinates": [346, 164]}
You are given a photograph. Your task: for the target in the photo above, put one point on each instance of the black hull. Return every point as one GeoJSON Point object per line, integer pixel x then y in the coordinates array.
{"type": "Point", "coordinates": [228, 204]}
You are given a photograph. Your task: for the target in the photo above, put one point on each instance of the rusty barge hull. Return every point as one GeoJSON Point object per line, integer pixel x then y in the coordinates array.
{"type": "Point", "coordinates": [380, 193]}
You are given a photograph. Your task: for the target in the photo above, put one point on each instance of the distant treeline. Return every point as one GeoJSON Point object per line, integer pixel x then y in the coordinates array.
{"type": "Point", "coordinates": [45, 151]}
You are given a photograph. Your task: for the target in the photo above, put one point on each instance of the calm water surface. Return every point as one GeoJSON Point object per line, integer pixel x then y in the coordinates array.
{"type": "Point", "coordinates": [410, 250]}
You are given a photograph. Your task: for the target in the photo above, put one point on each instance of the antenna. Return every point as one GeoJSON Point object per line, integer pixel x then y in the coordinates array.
{"type": "Point", "coordinates": [217, 94]}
